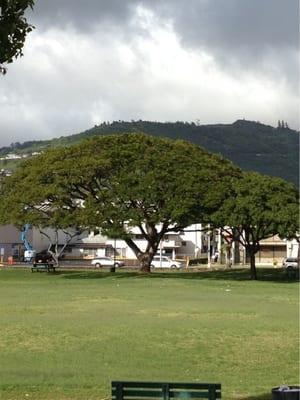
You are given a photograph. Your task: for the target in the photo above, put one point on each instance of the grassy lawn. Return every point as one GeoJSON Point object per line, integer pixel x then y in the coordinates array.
{"type": "Point", "coordinates": [67, 335]}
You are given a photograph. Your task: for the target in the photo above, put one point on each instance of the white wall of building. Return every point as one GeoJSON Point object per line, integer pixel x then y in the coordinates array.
{"type": "Point", "coordinates": [292, 248]}
{"type": "Point", "coordinates": [189, 243]}
{"type": "Point", "coordinates": [175, 245]}
{"type": "Point", "coordinates": [192, 238]}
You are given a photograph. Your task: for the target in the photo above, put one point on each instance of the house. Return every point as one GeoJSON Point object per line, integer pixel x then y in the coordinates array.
{"type": "Point", "coordinates": [88, 246]}
{"type": "Point", "coordinates": [190, 243]}
{"type": "Point", "coordinates": [11, 243]}
{"type": "Point", "coordinates": [273, 250]}
{"type": "Point", "coordinates": [187, 244]}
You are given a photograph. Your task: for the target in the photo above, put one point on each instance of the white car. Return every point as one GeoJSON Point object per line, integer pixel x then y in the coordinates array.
{"type": "Point", "coordinates": [106, 262]}
{"type": "Point", "coordinates": [291, 263]}
{"type": "Point", "coordinates": [165, 262]}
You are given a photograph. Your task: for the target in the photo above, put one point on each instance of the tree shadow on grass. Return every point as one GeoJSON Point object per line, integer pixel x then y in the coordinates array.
{"type": "Point", "coordinates": [264, 275]}
{"type": "Point", "coordinates": [72, 274]}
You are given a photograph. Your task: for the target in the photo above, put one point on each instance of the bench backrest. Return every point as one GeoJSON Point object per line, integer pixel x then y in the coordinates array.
{"type": "Point", "coordinates": [165, 391]}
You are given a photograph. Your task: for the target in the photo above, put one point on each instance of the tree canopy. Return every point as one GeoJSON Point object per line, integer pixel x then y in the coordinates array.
{"type": "Point", "coordinates": [13, 29]}
{"type": "Point", "coordinates": [259, 207]}
{"type": "Point", "coordinates": [119, 182]}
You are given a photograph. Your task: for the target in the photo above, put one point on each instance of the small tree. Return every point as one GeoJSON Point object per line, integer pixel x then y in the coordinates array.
{"type": "Point", "coordinates": [24, 201]}
{"type": "Point", "coordinates": [290, 229]}
{"type": "Point", "coordinates": [259, 207]}
{"type": "Point", "coordinates": [13, 29]}
{"type": "Point", "coordinates": [56, 246]}
{"type": "Point", "coordinates": [123, 181]}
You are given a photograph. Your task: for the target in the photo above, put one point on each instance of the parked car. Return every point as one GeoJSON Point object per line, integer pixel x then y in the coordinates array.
{"type": "Point", "coordinates": [165, 262]}
{"type": "Point", "coordinates": [100, 262]}
{"type": "Point", "coordinates": [43, 258]}
{"type": "Point", "coordinates": [43, 262]}
{"type": "Point", "coordinates": [291, 263]}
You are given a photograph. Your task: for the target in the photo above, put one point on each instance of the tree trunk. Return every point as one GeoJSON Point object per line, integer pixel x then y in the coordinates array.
{"type": "Point", "coordinates": [236, 255]}
{"type": "Point", "coordinates": [252, 265]}
{"type": "Point", "coordinates": [144, 257]}
{"type": "Point", "coordinates": [54, 257]}
{"type": "Point", "coordinates": [228, 256]}
{"type": "Point", "coordinates": [145, 262]}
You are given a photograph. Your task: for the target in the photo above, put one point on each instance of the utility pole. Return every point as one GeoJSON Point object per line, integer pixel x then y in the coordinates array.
{"type": "Point", "coordinates": [208, 249]}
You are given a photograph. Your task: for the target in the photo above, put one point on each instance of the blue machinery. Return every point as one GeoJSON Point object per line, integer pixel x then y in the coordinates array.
{"type": "Point", "coordinates": [29, 253]}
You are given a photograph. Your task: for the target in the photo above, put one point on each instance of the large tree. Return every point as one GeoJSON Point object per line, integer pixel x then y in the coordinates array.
{"type": "Point", "coordinates": [259, 207]}
{"type": "Point", "coordinates": [123, 181]}
{"type": "Point", "coordinates": [13, 29]}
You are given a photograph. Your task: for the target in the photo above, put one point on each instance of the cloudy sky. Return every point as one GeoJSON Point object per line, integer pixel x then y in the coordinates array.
{"type": "Point", "coordinates": [90, 61]}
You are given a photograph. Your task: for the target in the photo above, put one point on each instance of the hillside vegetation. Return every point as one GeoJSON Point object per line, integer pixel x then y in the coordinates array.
{"type": "Point", "coordinates": [251, 145]}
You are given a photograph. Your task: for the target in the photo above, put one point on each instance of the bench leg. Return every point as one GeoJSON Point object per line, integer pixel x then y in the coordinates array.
{"type": "Point", "coordinates": [119, 391]}
{"type": "Point", "coordinates": [212, 394]}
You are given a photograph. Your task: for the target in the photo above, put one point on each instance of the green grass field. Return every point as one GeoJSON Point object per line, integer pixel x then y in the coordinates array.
{"type": "Point", "coordinates": [67, 335]}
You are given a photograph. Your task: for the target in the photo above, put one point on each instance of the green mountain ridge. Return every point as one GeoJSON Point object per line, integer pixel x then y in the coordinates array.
{"type": "Point", "coordinates": [251, 145]}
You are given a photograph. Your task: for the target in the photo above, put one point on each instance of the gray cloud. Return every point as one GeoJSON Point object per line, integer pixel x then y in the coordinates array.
{"type": "Point", "coordinates": [243, 34]}
{"type": "Point", "coordinates": [81, 14]}
{"type": "Point", "coordinates": [240, 34]}
{"type": "Point", "coordinates": [219, 24]}
{"type": "Point", "coordinates": [236, 24]}
{"type": "Point", "coordinates": [94, 60]}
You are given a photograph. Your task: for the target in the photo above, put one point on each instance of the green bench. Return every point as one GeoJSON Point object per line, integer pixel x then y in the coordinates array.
{"type": "Point", "coordinates": [165, 391]}
{"type": "Point", "coordinates": [43, 267]}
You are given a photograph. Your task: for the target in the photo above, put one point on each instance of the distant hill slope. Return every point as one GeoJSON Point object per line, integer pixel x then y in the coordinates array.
{"type": "Point", "coordinates": [251, 145]}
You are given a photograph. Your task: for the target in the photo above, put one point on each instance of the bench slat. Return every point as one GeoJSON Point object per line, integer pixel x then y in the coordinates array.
{"type": "Point", "coordinates": [131, 384]}
{"type": "Point", "coordinates": [174, 385]}
{"type": "Point", "coordinates": [128, 394]}
{"type": "Point", "coordinates": [191, 395]}
{"type": "Point", "coordinates": [43, 266]}
{"type": "Point", "coordinates": [159, 393]}
{"type": "Point", "coordinates": [139, 393]}
{"type": "Point", "coordinates": [165, 391]}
